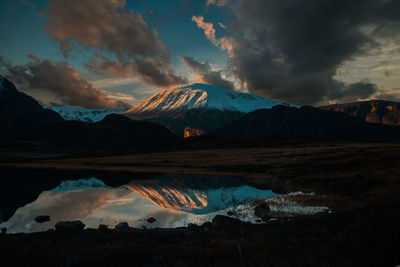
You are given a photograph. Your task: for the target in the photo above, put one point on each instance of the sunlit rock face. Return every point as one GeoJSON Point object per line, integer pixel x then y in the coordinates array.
{"type": "Point", "coordinates": [373, 111]}
{"type": "Point", "coordinates": [190, 132]}
{"type": "Point", "coordinates": [170, 197]}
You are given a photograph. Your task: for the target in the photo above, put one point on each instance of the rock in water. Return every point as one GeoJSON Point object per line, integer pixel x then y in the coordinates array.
{"type": "Point", "coordinates": [122, 225]}
{"type": "Point", "coordinates": [262, 211]}
{"type": "Point", "coordinates": [151, 220]}
{"type": "Point", "coordinates": [42, 218]}
{"type": "Point", "coordinates": [70, 226]}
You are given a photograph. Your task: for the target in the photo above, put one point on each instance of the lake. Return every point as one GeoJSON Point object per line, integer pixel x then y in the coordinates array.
{"type": "Point", "coordinates": [173, 201]}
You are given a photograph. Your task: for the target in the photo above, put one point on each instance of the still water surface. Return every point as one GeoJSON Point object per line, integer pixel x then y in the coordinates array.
{"type": "Point", "coordinates": [173, 203]}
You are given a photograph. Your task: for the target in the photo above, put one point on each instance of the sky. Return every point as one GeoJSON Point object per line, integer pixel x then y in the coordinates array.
{"type": "Point", "coordinates": [117, 53]}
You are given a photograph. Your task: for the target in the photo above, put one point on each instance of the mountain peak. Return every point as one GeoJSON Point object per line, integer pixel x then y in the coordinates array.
{"type": "Point", "coordinates": [201, 86]}
{"type": "Point", "coordinates": [202, 96]}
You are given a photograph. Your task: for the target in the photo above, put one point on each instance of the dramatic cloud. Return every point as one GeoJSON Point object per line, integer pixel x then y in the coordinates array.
{"type": "Point", "coordinates": [61, 80]}
{"type": "Point", "coordinates": [354, 91]}
{"type": "Point", "coordinates": [291, 50]}
{"type": "Point", "coordinates": [156, 73]}
{"type": "Point", "coordinates": [107, 25]}
{"type": "Point", "coordinates": [206, 74]}
{"type": "Point", "coordinates": [226, 43]}
{"type": "Point", "coordinates": [153, 71]}
{"type": "Point", "coordinates": [103, 66]}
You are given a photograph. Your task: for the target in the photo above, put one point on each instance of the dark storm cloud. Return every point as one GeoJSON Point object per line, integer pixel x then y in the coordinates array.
{"type": "Point", "coordinates": [107, 25]}
{"type": "Point", "coordinates": [153, 71]}
{"type": "Point", "coordinates": [206, 74]}
{"type": "Point", "coordinates": [156, 73]}
{"type": "Point", "coordinates": [291, 49]}
{"type": "Point", "coordinates": [62, 80]}
{"type": "Point", "coordinates": [360, 90]}
{"type": "Point", "coordinates": [388, 95]}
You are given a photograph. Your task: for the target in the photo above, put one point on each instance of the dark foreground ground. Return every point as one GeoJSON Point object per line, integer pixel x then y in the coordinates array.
{"type": "Point", "coordinates": [364, 236]}
{"type": "Point", "coordinates": [360, 182]}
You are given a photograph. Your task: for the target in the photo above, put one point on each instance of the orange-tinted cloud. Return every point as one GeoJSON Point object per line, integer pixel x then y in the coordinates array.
{"type": "Point", "coordinates": [208, 28]}
{"type": "Point", "coordinates": [104, 24]}
{"type": "Point", "coordinates": [107, 25]}
{"type": "Point", "coordinates": [225, 43]}
{"type": "Point", "coordinates": [62, 80]}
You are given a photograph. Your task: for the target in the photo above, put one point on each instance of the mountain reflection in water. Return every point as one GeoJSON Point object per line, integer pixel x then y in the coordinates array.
{"type": "Point", "coordinates": [173, 203]}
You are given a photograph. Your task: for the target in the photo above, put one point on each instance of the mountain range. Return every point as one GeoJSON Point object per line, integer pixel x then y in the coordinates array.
{"type": "Point", "coordinates": [373, 111]}
{"type": "Point", "coordinates": [307, 121]}
{"type": "Point", "coordinates": [200, 109]}
{"type": "Point", "coordinates": [28, 126]}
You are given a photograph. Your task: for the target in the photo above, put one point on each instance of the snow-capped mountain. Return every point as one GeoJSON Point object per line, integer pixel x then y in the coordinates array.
{"type": "Point", "coordinates": [202, 96]}
{"type": "Point", "coordinates": [81, 114]}
{"type": "Point", "coordinates": [199, 106]}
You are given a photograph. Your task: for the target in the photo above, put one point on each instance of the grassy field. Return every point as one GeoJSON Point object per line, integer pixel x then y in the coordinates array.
{"type": "Point", "coordinates": [353, 169]}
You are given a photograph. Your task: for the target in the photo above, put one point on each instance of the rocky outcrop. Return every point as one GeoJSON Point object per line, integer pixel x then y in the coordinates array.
{"type": "Point", "coordinates": [151, 220]}
{"type": "Point", "coordinates": [262, 211]}
{"type": "Point", "coordinates": [191, 132]}
{"type": "Point", "coordinates": [42, 218]}
{"type": "Point", "coordinates": [373, 111]}
{"type": "Point", "coordinates": [122, 226]}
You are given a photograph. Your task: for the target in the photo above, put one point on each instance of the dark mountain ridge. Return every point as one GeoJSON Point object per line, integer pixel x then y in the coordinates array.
{"type": "Point", "coordinates": [307, 121]}
{"type": "Point", "coordinates": [28, 126]}
{"type": "Point", "coordinates": [373, 111]}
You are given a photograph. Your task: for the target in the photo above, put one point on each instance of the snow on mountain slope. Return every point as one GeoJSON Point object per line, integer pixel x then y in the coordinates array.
{"type": "Point", "coordinates": [202, 96]}
{"type": "Point", "coordinates": [86, 115]}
